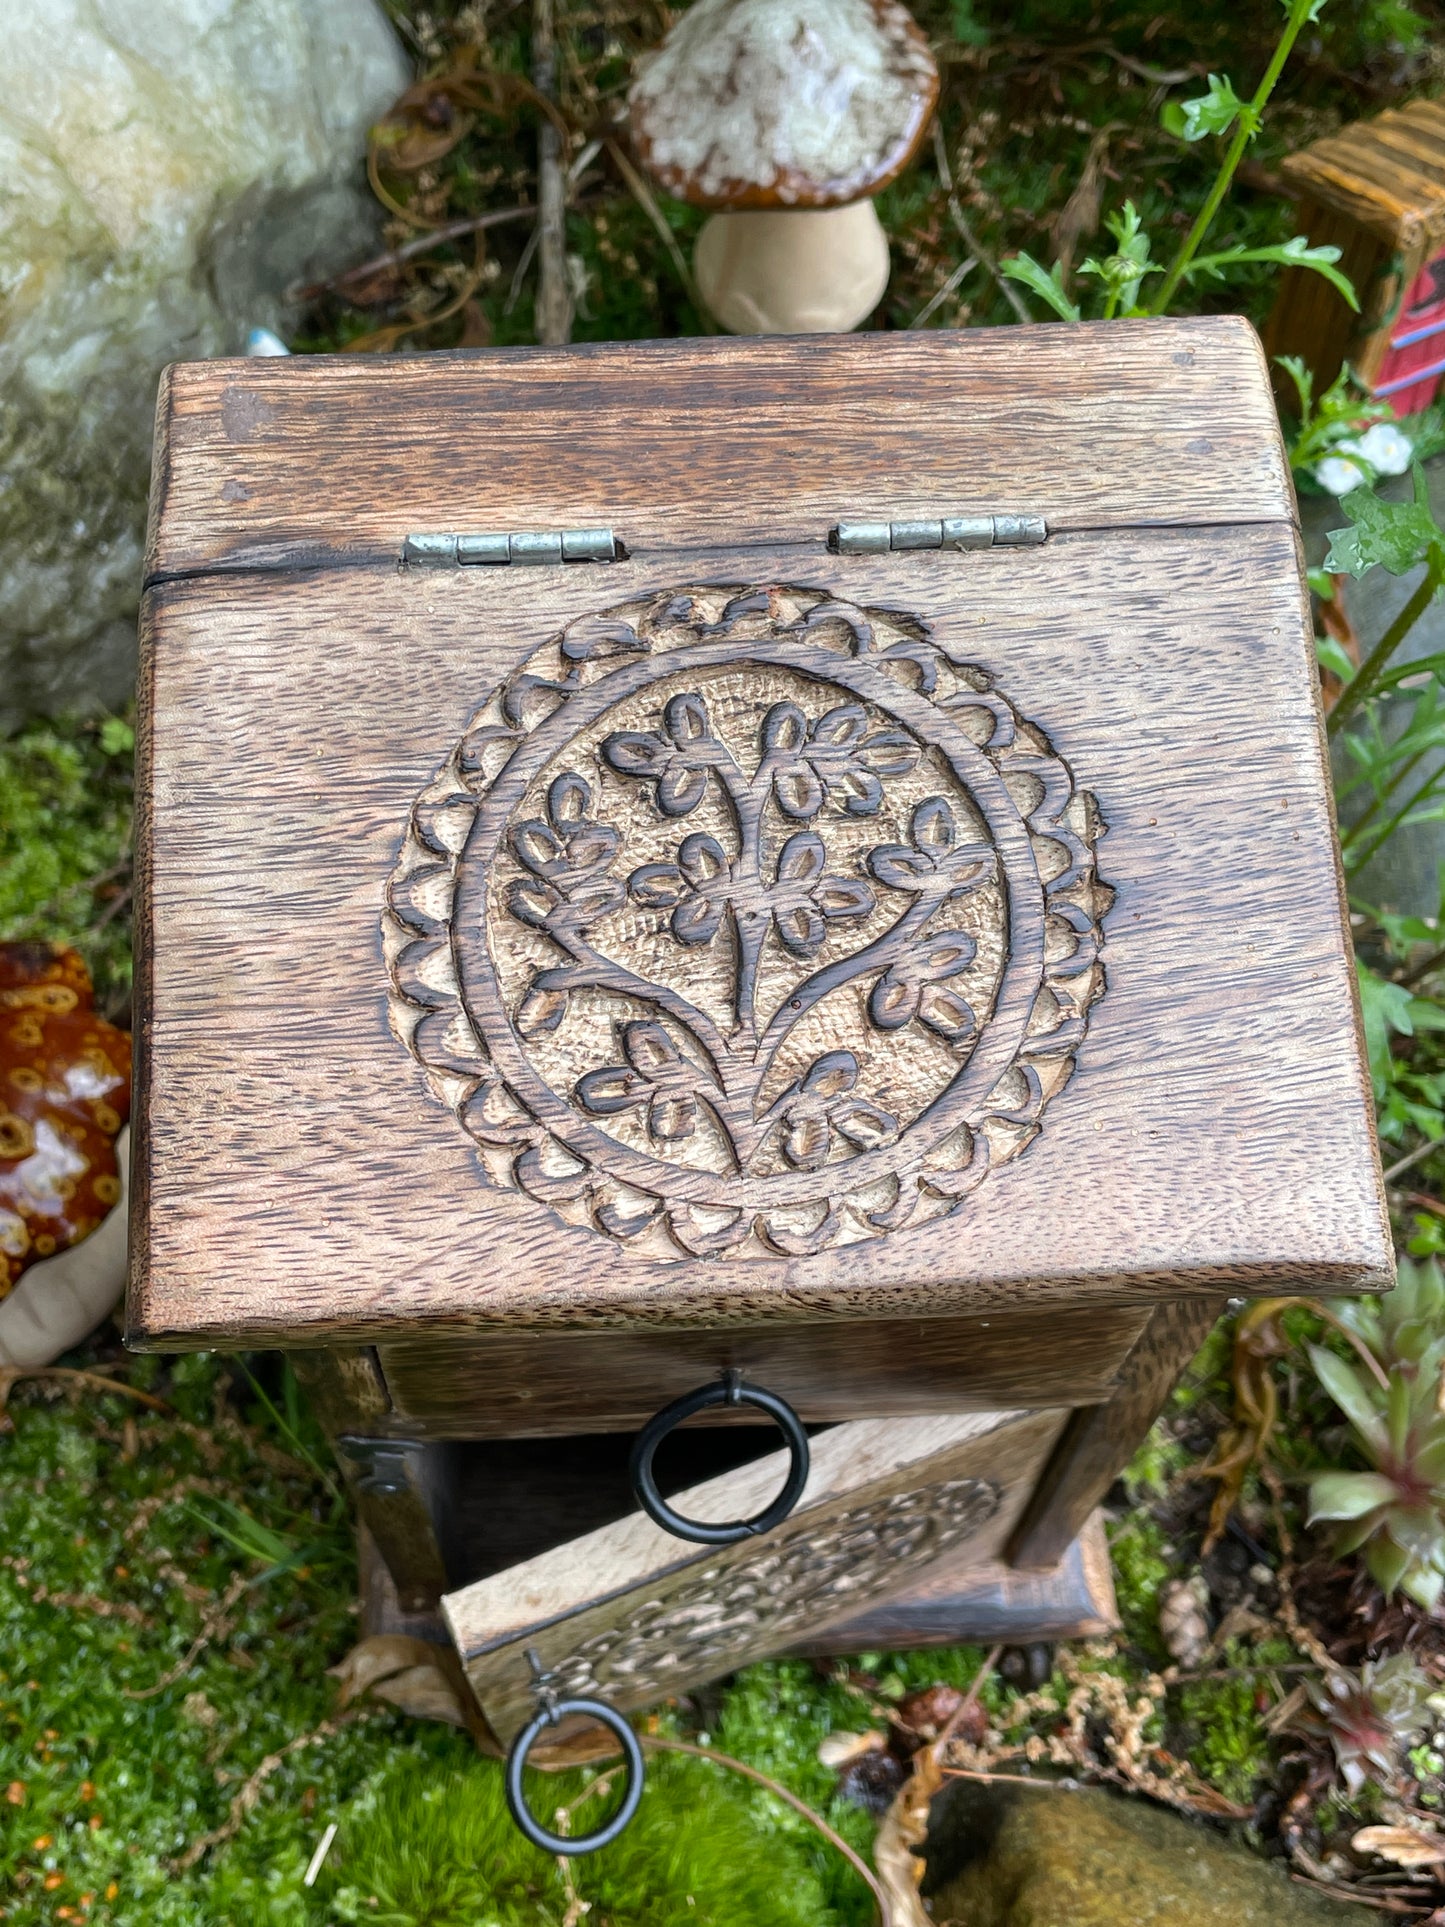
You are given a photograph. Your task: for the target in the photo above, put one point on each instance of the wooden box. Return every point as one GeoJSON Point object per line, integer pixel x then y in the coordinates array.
{"type": "Point", "coordinates": [1376, 191]}
{"type": "Point", "coordinates": [880, 932]}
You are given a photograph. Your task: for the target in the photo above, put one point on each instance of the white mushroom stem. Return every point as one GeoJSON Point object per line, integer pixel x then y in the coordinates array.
{"type": "Point", "coordinates": [793, 271]}
{"type": "Point", "coordinates": [58, 1301]}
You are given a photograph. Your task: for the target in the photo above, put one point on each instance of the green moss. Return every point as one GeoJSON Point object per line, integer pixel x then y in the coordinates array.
{"type": "Point", "coordinates": [441, 1849]}
{"type": "Point", "coordinates": [1224, 1733]}
{"type": "Point", "coordinates": [1142, 1564]}
{"type": "Point", "coordinates": [65, 804]}
{"type": "Point", "coordinates": [111, 1562]}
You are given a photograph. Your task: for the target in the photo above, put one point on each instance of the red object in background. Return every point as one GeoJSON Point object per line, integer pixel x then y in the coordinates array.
{"type": "Point", "coordinates": [64, 1096]}
{"type": "Point", "coordinates": [1411, 371]}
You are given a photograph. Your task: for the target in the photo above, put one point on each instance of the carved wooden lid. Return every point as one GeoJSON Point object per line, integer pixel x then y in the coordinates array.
{"type": "Point", "coordinates": [783, 103]}
{"type": "Point", "coordinates": [739, 929]}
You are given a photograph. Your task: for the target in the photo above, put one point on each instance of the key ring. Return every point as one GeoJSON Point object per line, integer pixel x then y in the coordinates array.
{"type": "Point", "coordinates": [731, 1389]}
{"type": "Point", "coordinates": [550, 1711]}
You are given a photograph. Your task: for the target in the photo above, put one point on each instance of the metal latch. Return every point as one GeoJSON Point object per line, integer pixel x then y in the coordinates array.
{"type": "Point", "coordinates": [494, 549]}
{"type": "Point", "coordinates": [947, 532]}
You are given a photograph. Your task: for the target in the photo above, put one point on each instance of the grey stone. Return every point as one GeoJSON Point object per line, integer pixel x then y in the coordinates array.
{"type": "Point", "coordinates": [1008, 1857]}
{"type": "Point", "coordinates": [167, 169]}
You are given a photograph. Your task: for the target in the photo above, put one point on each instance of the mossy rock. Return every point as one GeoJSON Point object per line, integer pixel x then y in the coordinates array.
{"type": "Point", "coordinates": [1006, 1857]}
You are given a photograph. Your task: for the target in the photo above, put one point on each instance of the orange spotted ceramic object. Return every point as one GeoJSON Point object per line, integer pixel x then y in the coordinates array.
{"type": "Point", "coordinates": [64, 1097]}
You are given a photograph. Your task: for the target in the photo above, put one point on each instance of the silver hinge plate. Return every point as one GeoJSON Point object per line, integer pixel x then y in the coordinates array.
{"type": "Point", "coordinates": [492, 549]}
{"type": "Point", "coordinates": [946, 532]}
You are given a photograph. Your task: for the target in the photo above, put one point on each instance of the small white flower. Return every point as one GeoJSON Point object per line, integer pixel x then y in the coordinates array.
{"type": "Point", "coordinates": [1386, 447]}
{"type": "Point", "coordinates": [1339, 475]}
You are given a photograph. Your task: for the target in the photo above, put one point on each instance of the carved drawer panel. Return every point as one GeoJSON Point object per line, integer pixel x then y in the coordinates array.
{"type": "Point", "coordinates": [539, 1385]}
{"type": "Point", "coordinates": [632, 1615]}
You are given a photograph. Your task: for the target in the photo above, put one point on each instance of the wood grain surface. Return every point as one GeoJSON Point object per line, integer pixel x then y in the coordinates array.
{"type": "Point", "coordinates": [1387, 174]}
{"type": "Point", "coordinates": [296, 1182]}
{"type": "Point", "coordinates": [1099, 1440]}
{"type": "Point", "coordinates": [539, 1385]}
{"type": "Point", "coordinates": [333, 460]}
{"type": "Point", "coordinates": [962, 1600]}
{"type": "Point", "coordinates": [630, 1613]}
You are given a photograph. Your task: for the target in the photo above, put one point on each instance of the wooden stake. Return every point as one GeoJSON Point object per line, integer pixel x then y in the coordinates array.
{"type": "Point", "coordinates": [554, 294]}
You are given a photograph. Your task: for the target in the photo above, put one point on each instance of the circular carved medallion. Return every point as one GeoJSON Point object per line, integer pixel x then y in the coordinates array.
{"type": "Point", "coordinates": [747, 921]}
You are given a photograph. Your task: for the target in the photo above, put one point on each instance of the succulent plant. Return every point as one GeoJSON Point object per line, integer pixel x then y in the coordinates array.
{"type": "Point", "coordinates": [1369, 1716]}
{"type": "Point", "coordinates": [1395, 1512]}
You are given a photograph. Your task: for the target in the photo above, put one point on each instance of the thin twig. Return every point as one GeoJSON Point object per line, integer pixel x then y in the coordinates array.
{"type": "Point", "coordinates": [791, 1799]}
{"type": "Point", "coordinates": [250, 1793]}
{"type": "Point", "coordinates": [1420, 1151]}
{"type": "Point", "coordinates": [1012, 1779]}
{"type": "Point", "coordinates": [950, 286]}
{"type": "Point", "coordinates": [945, 174]}
{"type": "Point", "coordinates": [69, 1374]}
{"type": "Point", "coordinates": [213, 1623]}
{"type": "Point", "coordinates": [1352, 1897]}
{"type": "Point", "coordinates": [554, 296]}
{"type": "Point", "coordinates": [643, 195]}
{"type": "Point", "coordinates": [423, 244]}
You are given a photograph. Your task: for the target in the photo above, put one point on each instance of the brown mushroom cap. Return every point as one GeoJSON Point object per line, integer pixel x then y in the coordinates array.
{"type": "Point", "coordinates": [783, 103]}
{"type": "Point", "coordinates": [64, 1097]}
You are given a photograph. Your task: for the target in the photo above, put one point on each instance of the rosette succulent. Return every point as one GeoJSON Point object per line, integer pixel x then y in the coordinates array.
{"type": "Point", "coordinates": [1394, 1513]}
{"type": "Point", "coordinates": [1369, 1717]}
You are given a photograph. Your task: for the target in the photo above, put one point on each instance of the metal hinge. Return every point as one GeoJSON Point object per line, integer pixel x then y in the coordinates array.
{"type": "Point", "coordinates": [383, 1467]}
{"type": "Point", "coordinates": [948, 532]}
{"type": "Point", "coordinates": [493, 549]}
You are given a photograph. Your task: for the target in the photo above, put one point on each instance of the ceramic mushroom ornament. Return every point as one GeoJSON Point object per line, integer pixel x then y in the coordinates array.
{"type": "Point", "coordinates": [64, 1101]}
{"type": "Point", "coordinates": [787, 116]}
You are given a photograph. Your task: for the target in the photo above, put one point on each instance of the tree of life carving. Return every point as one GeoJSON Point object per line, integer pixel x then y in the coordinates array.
{"type": "Point", "coordinates": [747, 922]}
{"type": "Point", "coordinates": [743, 892]}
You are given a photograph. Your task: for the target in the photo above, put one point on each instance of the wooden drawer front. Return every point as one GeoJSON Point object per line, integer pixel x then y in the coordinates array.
{"type": "Point", "coordinates": [535, 1386]}
{"type": "Point", "coordinates": [632, 1615]}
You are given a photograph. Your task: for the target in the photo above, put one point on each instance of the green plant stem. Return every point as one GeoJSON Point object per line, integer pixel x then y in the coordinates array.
{"type": "Point", "coordinates": [1381, 797]}
{"type": "Point", "coordinates": [1394, 822]}
{"type": "Point", "coordinates": [1243, 134]}
{"type": "Point", "coordinates": [1354, 693]}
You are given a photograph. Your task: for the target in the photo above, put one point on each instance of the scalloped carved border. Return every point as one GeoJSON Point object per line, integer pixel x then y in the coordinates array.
{"type": "Point", "coordinates": [443, 1005]}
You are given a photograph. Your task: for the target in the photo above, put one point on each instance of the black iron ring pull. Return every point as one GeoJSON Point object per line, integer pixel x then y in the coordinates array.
{"type": "Point", "coordinates": [552, 1710]}
{"type": "Point", "coordinates": [730, 1390]}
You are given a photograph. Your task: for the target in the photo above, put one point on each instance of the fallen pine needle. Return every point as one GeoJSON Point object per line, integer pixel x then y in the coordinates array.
{"type": "Point", "coordinates": [250, 1793]}
{"type": "Point", "coordinates": [1352, 1897]}
{"type": "Point", "coordinates": [69, 1375]}
{"type": "Point", "coordinates": [211, 1625]}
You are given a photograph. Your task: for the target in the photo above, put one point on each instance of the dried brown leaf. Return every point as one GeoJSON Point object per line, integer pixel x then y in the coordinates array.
{"type": "Point", "coordinates": [382, 1656]}
{"type": "Point", "coordinates": [839, 1748]}
{"type": "Point", "coordinates": [1401, 1845]}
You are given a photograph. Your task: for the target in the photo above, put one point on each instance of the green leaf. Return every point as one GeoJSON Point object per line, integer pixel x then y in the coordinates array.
{"type": "Point", "coordinates": [1424, 1585]}
{"type": "Point", "coordinates": [1294, 253]}
{"type": "Point", "coordinates": [1387, 1563]}
{"type": "Point", "coordinates": [1352, 1395]}
{"type": "Point", "coordinates": [1396, 535]}
{"type": "Point", "coordinates": [1049, 287]}
{"type": "Point", "coordinates": [1212, 113]}
{"type": "Point", "coordinates": [1303, 379]}
{"type": "Point", "coordinates": [1349, 1495]}
{"type": "Point", "coordinates": [1385, 1007]}
{"type": "Point", "coordinates": [1397, 1413]}
{"type": "Point", "coordinates": [1331, 655]}
{"type": "Point", "coordinates": [1312, 9]}
{"type": "Point", "coordinates": [117, 738]}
